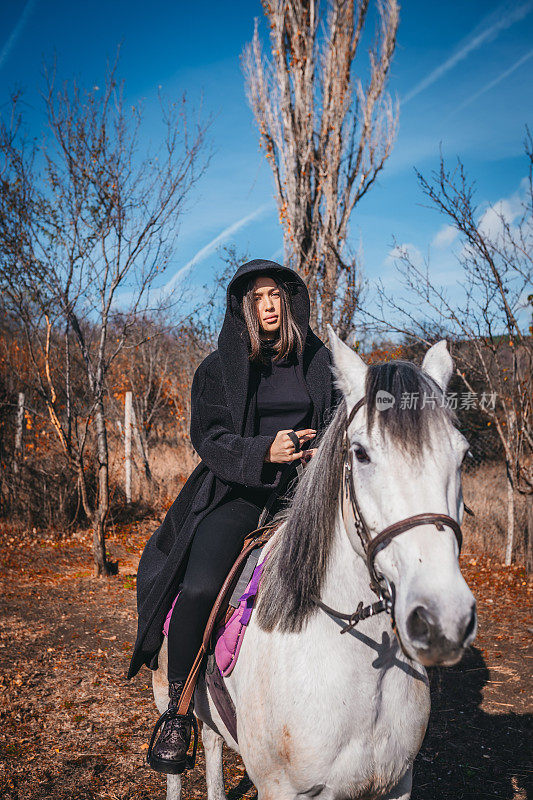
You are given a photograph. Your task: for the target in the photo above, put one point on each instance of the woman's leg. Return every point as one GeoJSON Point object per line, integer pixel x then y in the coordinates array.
{"type": "Point", "coordinates": [216, 544]}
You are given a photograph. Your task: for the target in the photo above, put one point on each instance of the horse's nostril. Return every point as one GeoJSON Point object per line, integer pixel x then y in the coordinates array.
{"type": "Point", "coordinates": [471, 624]}
{"type": "Point", "coordinates": [419, 624]}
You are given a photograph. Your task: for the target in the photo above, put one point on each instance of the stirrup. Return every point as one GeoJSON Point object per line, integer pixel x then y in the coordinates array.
{"type": "Point", "coordinates": [171, 713]}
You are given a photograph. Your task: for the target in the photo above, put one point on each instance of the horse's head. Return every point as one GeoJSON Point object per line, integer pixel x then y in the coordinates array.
{"type": "Point", "coordinates": [407, 456]}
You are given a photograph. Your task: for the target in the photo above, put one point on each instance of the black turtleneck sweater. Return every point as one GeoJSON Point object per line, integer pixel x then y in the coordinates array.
{"type": "Point", "coordinates": [283, 402]}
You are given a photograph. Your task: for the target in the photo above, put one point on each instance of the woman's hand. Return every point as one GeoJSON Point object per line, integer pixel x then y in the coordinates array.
{"type": "Point", "coordinates": [283, 451]}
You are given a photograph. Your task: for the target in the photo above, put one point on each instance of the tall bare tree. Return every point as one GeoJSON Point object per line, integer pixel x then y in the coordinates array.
{"type": "Point", "coordinates": [326, 133]}
{"type": "Point", "coordinates": [87, 223]}
{"type": "Point", "coordinates": [488, 321]}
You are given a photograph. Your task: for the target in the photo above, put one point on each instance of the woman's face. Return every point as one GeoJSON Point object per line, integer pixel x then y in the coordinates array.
{"type": "Point", "coordinates": [268, 304]}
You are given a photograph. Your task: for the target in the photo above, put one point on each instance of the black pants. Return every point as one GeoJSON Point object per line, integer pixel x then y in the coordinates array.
{"type": "Point", "coordinates": [217, 543]}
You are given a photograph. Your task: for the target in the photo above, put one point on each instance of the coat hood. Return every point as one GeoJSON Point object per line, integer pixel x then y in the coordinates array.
{"type": "Point", "coordinates": [234, 326]}
{"type": "Point", "coordinates": [233, 340]}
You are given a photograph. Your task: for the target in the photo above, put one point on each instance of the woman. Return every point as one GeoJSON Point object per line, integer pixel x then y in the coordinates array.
{"type": "Point", "coordinates": [269, 378]}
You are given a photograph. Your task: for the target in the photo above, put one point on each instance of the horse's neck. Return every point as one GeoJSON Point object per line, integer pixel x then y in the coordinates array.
{"type": "Point", "coordinates": [347, 580]}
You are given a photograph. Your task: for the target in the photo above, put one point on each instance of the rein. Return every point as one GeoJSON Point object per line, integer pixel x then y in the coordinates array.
{"type": "Point", "coordinates": [373, 545]}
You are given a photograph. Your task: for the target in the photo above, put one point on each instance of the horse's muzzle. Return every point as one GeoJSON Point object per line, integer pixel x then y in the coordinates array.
{"type": "Point", "coordinates": [433, 646]}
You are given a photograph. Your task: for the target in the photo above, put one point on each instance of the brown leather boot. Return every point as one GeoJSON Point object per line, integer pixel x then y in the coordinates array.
{"type": "Point", "coordinates": [169, 753]}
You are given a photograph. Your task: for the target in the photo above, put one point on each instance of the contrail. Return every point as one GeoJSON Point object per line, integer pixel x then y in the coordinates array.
{"type": "Point", "coordinates": [212, 245]}
{"type": "Point", "coordinates": [501, 21]}
{"type": "Point", "coordinates": [492, 83]}
{"type": "Point", "coordinates": [17, 30]}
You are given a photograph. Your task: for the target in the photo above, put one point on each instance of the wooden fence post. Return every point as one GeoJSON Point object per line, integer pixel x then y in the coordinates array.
{"type": "Point", "coordinates": [140, 445]}
{"type": "Point", "coordinates": [128, 407]}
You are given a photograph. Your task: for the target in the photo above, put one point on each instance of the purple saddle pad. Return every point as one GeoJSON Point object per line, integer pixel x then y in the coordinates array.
{"type": "Point", "coordinates": [228, 638]}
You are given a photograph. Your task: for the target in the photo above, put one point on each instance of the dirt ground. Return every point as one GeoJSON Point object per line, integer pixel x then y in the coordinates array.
{"type": "Point", "coordinates": [72, 726]}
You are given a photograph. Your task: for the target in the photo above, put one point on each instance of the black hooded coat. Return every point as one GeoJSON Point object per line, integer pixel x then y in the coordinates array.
{"type": "Point", "coordinates": [223, 424]}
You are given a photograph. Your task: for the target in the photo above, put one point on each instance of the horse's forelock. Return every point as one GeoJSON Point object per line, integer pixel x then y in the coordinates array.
{"type": "Point", "coordinates": [419, 405]}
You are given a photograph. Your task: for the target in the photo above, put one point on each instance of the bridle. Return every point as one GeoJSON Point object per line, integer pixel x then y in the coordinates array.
{"type": "Point", "coordinates": [373, 545]}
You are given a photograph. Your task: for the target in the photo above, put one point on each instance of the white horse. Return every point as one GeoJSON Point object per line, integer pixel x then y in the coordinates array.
{"type": "Point", "coordinates": [332, 717]}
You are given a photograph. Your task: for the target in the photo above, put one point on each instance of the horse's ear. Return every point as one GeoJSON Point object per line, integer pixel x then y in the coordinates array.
{"type": "Point", "coordinates": [438, 364]}
{"type": "Point", "coordinates": [348, 367]}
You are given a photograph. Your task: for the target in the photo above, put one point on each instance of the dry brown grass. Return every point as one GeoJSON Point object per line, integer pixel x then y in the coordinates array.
{"type": "Point", "coordinates": [170, 465]}
{"type": "Point", "coordinates": [485, 491]}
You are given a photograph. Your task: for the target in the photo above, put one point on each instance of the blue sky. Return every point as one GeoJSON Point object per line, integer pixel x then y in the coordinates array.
{"type": "Point", "coordinates": [463, 73]}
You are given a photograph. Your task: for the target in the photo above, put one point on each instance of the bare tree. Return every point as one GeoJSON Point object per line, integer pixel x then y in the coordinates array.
{"type": "Point", "coordinates": [494, 348]}
{"type": "Point", "coordinates": [326, 134]}
{"type": "Point", "coordinates": [85, 238]}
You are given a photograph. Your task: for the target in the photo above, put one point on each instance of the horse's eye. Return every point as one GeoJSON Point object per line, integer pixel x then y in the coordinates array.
{"type": "Point", "coordinates": [361, 455]}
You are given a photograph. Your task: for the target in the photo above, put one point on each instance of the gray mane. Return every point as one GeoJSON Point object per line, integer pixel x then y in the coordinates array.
{"type": "Point", "coordinates": [298, 559]}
